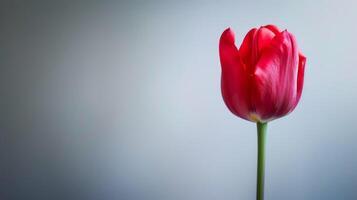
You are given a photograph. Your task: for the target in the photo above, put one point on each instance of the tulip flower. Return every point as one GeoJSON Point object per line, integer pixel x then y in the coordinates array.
{"type": "Point", "coordinates": [262, 80]}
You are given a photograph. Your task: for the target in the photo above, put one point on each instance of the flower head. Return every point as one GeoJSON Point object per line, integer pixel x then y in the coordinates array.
{"type": "Point", "coordinates": [263, 79]}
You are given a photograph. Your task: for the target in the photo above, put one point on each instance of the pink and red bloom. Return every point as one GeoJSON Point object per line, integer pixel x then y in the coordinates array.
{"type": "Point", "coordinates": [263, 79]}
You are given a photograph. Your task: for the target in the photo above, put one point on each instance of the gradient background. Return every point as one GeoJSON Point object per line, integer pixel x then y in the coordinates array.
{"type": "Point", "coordinates": [119, 100]}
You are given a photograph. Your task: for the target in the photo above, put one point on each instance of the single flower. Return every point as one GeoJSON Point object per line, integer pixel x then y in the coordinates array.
{"type": "Point", "coordinates": [263, 79]}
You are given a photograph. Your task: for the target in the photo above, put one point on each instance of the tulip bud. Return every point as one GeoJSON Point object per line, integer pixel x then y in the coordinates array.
{"type": "Point", "coordinates": [263, 79]}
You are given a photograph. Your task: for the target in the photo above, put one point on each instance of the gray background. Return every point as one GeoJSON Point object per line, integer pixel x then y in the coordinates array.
{"type": "Point", "coordinates": [121, 100]}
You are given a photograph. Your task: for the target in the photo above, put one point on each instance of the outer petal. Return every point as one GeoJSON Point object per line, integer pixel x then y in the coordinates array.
{"type": "Point", "coordinates": [300, 78]}
{"type": "Point", "coordinates": [233, 80]}
{"type": "Point", "coordinates": [276, 77]}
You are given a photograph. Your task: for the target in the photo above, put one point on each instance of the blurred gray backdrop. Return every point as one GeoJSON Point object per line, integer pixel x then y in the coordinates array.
{"type": "Point", "coordinates": [117, 100]}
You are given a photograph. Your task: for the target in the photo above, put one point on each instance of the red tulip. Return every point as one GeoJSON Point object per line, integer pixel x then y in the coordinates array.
{"type": "Point", "coordinates": [263, 79]}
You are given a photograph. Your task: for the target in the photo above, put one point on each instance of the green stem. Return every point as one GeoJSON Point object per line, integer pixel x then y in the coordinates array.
{"type": "Point", "coordinates": [262, 130]}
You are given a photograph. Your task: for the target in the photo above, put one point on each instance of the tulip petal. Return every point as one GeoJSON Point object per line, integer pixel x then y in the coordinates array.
{"type": "Point", "coordinates": [300, 78]}
{"type": "Point", "coordinates": [263, 39]}
{"type": "Point", "coordinates": [233, 80]}
{"type": "Point", "coordinates": [273, 28]}
{"type": "Point", "coordinates": [276, 77]}
{"type": "Point", "coordinates": [245, 50]}
{"type": "Point", "coordinates": [253, 44]}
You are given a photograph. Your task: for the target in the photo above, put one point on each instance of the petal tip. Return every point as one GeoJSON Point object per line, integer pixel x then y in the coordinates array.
{"type": "Point", "coordinates": [287, 34]}
{"type": "Point", "coordinates": [228, 35]}
{"type": "Point", "coordinates": [302, 56]}
{"type": "Point", "coordinates": [272, 28]}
